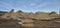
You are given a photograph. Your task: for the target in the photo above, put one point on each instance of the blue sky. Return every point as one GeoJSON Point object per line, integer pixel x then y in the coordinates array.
{"type": "Point", "coordinates": [30, 5]}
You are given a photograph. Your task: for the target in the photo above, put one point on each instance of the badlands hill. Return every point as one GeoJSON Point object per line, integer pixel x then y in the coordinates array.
{"type": "Point", "coordinates": [30, 15]}
{"type": "Point", "coordinates": [38, 19]}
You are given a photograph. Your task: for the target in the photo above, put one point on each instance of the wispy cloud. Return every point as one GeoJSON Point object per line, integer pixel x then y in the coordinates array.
{"type": "Point", "coordinates": [7, 5]}
{"type": "Point", "coordinates": [31, 5]}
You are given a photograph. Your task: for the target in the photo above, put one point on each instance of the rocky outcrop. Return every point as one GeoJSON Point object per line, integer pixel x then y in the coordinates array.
{"type": "Point", "coordinates": [27, 23]}
{"type": "Point", "coordinates": [27, 19]}
{"type": "Point", "coordinates": [53, 15]}
{"type": "Point", "coordinates": [2, 13]}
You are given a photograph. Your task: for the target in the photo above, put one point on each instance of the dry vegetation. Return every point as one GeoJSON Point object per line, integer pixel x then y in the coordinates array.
{"type": "Point", "coordinates": [22, 19]}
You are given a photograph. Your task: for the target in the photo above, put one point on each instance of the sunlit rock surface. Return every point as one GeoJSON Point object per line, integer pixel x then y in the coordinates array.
{"type": "Point", "coordinates": [24, 19]}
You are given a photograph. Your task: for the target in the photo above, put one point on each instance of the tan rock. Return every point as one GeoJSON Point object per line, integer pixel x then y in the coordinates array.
{"type": "Point", "coordinates": [27, 23]}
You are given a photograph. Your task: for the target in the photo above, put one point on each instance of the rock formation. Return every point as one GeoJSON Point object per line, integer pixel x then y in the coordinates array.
{"type": "Point", "coordinates": [26, 19]}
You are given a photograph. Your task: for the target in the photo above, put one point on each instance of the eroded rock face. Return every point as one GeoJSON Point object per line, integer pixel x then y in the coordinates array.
{"type": "Point", "coordinates": [9, 23]}
{"type": "Point", "coordinates": [25, 19]}
{"type": "Point", "coordinates": [24, 15]}
{"type": "Point", "coordinates": [27, 23]}
{"type": "Point", "coordinates": [42, 16]}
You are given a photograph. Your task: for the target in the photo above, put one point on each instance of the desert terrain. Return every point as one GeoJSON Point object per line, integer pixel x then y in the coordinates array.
{"type": "Point", "coordinates": [22, 19]}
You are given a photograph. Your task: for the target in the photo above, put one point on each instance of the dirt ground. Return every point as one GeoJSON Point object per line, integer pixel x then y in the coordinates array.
{"type": "Point", "coordinates": [38, 24]}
